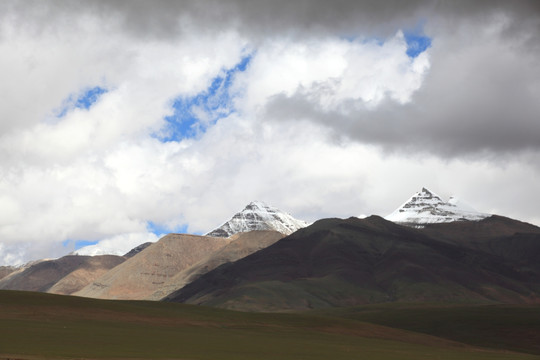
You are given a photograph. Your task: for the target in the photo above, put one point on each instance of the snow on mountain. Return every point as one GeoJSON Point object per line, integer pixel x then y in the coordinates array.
{"type": "Point", "coordinates": [425, 207]}
{"type": "Point", "coordinates": [259, 216]}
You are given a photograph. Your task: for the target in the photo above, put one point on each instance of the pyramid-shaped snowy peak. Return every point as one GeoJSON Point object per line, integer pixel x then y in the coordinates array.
{"type": "Point", "coordinates": [426, 207]}
{"type": "Point", "coordinates": [259, 216]}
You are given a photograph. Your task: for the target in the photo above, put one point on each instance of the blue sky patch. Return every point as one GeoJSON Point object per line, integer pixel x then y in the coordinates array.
{"type": "Point", "coordinates": [89, 97]}
{"type": "Point", "coordinates": [78, 243]}
{"type": "Point", "coordinates": [83, 100]}
{"type": "Point", "coordinates": [416, 44]}
{"type": "Point", "coordinates": [160, 229]}
{"type": "Point", "coordinates": [193, 115]}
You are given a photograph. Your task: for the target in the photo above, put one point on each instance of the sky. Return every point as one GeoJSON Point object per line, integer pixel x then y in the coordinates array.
{"type": "Point", "coordinates": [121, 121]}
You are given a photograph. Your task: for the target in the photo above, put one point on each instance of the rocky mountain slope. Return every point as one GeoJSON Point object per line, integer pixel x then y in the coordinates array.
{"type": "Point", "coordinates": [152, 270]}
{"type": "Point", "coordinates": [146, 272]}
{"type": "Point", "coordinates": [425, 207]}
{"type": "Point", "coordinates": [337, 262]}
{"type": "Point", "coordinates": [259, 216]}
{"type": "Point", "coordinates": [92, 269]}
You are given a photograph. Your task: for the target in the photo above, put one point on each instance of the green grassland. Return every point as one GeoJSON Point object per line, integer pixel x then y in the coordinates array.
{"type": "Point", "coordinates": [39, 326]}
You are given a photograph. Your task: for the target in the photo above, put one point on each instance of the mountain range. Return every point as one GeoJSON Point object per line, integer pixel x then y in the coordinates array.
{"type": "Point", "coordinates": [263, 259]}
{"type": "Point", "coordinates": [347, 262]}
{"type": "Point", "coordinates": [153, 270]}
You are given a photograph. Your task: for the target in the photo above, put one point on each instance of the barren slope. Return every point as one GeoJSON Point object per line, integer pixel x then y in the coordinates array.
{"type": "Point", "coordinates": [93, 268]}
{"type": "Point", "coordinates": [42, 275]}
{"type": "Point", "coordinates": [146, 272]}
{"type": "Point", "coordinates": [241, 245]}
{"type": "Point", "coordinates": [6, 270]}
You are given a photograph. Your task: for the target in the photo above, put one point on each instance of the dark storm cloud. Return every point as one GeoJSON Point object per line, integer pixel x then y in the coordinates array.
{"type": "Point", "coordinates": [476, 106]}
{"type": "Point", "coordinates": [479, 98]}
{"type": "Point", "coordinates": [465, 130]}
{"type": "Point", "coordinates": [269, 17]}
{"type": "Point", "coordinates": [167, 18]}
{"type": "Point", "coordinates": [163, 17]}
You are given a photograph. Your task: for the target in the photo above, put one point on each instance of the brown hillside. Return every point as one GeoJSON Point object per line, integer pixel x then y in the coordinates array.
{"type": "Point", "coordinates": [241, 245]}
{"type": "Point", "coordinates": [92, 269]}
{"type": "Point", "coordinates": [42, 275]}
{"type": "Point", "coordinates": [146, 272]}
{"type": "Point", "coordinates": [5, 271]}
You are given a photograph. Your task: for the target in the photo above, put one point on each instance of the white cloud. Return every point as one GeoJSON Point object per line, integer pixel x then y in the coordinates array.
{"type": "Point", "coordinates": [117, 245]}
{"type": "Point", "coordinates": [100, 175]}
{"type": "Point", "coordinates": [94, 173]}
{"type": "Point", "coordinates": [333, 71]}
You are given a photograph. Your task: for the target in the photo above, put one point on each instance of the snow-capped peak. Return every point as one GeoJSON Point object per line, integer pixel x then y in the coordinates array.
{"type": "Point", "coordinates": [259, 216]}
{"type": "Point", "coordinates": [425, 207]}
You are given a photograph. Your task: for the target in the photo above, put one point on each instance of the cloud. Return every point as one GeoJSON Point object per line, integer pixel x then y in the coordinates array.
{"type": "Point", "coordinates": [332, 74]}
{"type": "Point", "coordinates": [479, 96]}
{"type": "Point", "coordinates": [92, 172]}
{"type": "Point", "coordinates": [194, 114]}
{"type": "Point", "coordinates": [170, 18]}
{"type": "Point", "coordinates": [260, 19]}
{"type": "Point", "coordinates": [332, 115]}
{"type": "Point", "coordinates": [117, 245]}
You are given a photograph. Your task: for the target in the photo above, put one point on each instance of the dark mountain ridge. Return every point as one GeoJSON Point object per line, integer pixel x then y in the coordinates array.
{"type": "Point", "coordinates": [344, 262]}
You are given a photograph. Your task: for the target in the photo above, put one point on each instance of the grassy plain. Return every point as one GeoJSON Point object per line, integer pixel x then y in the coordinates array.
{"type": "Point", "coordinates": [44, 326]}
{"type": "Point", "coordinates": [498, 326]}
